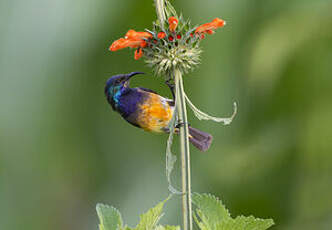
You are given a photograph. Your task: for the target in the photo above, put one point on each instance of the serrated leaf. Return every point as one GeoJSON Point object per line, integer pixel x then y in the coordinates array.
{"type": "Point", "coordinates": [245, 223]}
{"type": "Point", "coordinates": [211, 214]}
{"type": "Point", "coordinates": [210, 210]}
{"type": "Point", "coordinates": [109, 217]}
{"type": "Point", "coordinates": [149, 220]}
{"type": "Point", "coordinates": [200, 224]}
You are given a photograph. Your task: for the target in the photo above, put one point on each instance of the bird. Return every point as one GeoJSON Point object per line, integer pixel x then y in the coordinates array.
{"type": "Point", "coordinates": [146, 109]}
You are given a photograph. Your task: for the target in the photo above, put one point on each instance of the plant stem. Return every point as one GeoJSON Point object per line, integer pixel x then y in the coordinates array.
{"type": "Point", "coordinates": [183, 132]}
{"type": "Point", "coordinates": [185, 151]}
{"type": "Point", "coordinates": [160, 9]}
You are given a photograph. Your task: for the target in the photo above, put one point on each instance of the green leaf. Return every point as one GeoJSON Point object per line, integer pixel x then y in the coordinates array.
{"type": "Point", "coordinates": [245, 223]}
{"type": "Point", "coordinates": [210, 210]}
{"type": "Point", "coordinates": [167, 227]}
{"type": "Point", "coordinates": [127, 228]}
{"type": "Point", "coordinates": [211, 214]}
{"type": "Point", "coordinates": [109, 217]}
{"type": "Point", "coordinates": [149, 220]}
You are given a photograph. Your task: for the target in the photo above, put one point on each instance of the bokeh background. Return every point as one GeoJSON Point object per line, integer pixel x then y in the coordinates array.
{"type": "Point", "coordinates": [62, 149]}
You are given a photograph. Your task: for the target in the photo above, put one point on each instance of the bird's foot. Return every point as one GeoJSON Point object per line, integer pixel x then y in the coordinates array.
{"type": "Point", "coordinates": [181, 124]}
{"type": "Point", "coordinates": [171, 86]}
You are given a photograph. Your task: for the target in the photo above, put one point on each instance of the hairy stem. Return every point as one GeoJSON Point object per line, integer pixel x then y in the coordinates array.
{"type": "Point", "coordinates": [185, 151]}
{"type": "Point", "coordinates": [160, 9]}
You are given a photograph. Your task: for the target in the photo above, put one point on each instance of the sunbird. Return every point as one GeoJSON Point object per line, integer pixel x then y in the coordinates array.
{"type": "Point", "coordinates": [146, 109]}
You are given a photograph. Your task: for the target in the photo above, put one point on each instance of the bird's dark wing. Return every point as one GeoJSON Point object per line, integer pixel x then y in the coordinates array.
{"type": "Point", "coordinates": [132, 119]}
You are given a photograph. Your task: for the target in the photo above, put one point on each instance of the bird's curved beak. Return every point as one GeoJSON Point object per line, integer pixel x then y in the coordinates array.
{"type": "Point", "coordinates": [128, 76]}
{"type": "Point", "coordinates": [133, 74]}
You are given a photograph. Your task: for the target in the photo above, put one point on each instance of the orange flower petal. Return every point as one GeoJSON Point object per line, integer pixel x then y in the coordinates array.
{"type": "Point", "coordinates": [132, 34]}
{"type": "Point", "coordinates": [173, 23]}
{"type": "Point", "coordinates": [218, 22]}
{"type": "Point", "coordinates": [143, 44]}
{"type": "Point", "coordinates": [138, 54]}
{"type": "Point", "coordinates": [161, 35]}
{"type": "Point", "coordinates": [209, 27]}
{"type": "Point", "coordinates": [124, 43]}
{"type": "Point", "coordinates": [118, 44]}
{"type": "Point", "coordinates": [135, 43]}
{"type": "Point", "coordinates": [210, 32]}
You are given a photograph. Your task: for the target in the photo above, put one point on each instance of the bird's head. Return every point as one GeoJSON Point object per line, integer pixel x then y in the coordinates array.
{"type": "Point", "coordinates": [117, 83]}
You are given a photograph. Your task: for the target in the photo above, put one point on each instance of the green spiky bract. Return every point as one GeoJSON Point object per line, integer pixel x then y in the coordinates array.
{"type": "Point", "coordinates": [177, 50]}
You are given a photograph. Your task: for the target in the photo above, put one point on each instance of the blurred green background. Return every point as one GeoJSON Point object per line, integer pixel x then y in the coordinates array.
{"type": "Point", "coordinates": [62, 149]}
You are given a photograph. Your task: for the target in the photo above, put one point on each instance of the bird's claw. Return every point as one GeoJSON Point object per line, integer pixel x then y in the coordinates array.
{"type": "Point", "coordinates": [181, 124]}
{"type": "Point", "coordinates": [171, 87]}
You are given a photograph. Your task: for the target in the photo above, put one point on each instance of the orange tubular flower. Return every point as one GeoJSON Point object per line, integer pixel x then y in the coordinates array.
{"type": "Point", "coordinates": [132, 34]}
{"type": "Point", "coordinates": [161, 35]}
{"type": "Point", "coordinates": [124, 43]}
{"type": "Point", "coordinates": [211, 26]}
{"type": "Point", "coordinates": [118, 44]}
{"type": "Point", "coordinates": [143, 44]}
{"type": "Point", "coordinates": [210, 32]}
{"type": "Point", "coordinates": [138, 53]}
{"type": "Point", "coordinates": [136, 43]}
{"type": "Point", "coordinates": [173, 23]}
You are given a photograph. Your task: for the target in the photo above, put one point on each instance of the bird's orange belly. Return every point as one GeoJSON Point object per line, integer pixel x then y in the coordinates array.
{"type": "Point", "coordinates": [155, 114]}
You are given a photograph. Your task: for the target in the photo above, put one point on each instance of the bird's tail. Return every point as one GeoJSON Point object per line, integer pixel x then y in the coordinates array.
{"type": "Point", "coordinates": [200, 139]}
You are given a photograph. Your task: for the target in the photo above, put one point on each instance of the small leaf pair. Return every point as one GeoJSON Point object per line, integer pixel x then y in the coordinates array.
{"type": "Point", "coordinates": [110, 219]}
